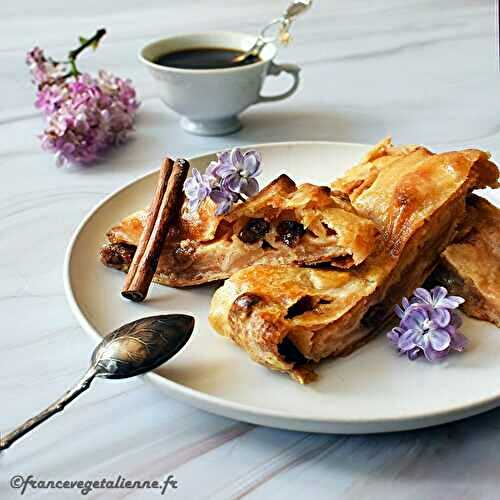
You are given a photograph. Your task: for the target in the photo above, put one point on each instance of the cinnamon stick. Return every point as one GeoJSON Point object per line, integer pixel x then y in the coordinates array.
{"type": "Point", "coordinates": [164, 210]}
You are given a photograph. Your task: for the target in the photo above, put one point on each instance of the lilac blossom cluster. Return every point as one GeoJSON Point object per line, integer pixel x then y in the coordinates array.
{"type": "Point", "coordinates": [85, 115]}
{"type": "Point", "coordinates": [229, 178]}
{"type": "Point", "coordinates": [429, 325]}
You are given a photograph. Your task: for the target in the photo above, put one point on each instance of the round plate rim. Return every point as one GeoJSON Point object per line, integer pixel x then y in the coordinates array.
{"type": "Point", "coordinates": [255, 414]}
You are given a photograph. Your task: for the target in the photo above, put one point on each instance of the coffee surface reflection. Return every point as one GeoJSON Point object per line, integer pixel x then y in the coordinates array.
{"type": "Point", "coordinates": [204, 58]}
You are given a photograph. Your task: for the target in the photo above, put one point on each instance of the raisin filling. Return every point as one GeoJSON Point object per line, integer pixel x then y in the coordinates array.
{"type": "Point", "coordinates": [290, 232]}
{"type": "Point", "coordinates": [253, 231]}
{"type": "Point", "coordinates": [291, 354]}
{"type": "Point", "coordinates": [300, 307]}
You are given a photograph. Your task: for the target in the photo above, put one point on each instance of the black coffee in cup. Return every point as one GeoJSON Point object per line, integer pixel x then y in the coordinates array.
{"type": "Point", "coordinates": [205, 58]}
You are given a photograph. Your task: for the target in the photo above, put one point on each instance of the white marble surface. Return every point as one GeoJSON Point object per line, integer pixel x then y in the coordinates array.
{"type": "Point", "coordinates": [425, 71]}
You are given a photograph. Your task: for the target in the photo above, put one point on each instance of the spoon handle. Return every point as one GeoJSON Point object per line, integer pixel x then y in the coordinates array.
{"type": "Point", "coordinates": [54, 408]}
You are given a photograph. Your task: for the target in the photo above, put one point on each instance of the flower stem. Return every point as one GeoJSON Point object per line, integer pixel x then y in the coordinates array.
{"type": "Point", "coordinates": [73, 54]}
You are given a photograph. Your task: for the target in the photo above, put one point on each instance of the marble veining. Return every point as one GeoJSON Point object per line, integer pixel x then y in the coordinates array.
{"type": "Point", "coordinates": [425, 72]}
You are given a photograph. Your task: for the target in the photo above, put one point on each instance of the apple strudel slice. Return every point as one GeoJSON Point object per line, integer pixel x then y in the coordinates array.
{"type": "Point", "coordinates": [286, 317]}
{"type": "Point", "coordinates": [282, 224]}
{"type": "Point", "coordinates": [470, 267]}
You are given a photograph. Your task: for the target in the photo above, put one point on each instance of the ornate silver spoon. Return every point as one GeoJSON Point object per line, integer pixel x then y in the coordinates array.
{"type": "Point", "coordinates": [132, 349]}
{"type": "Point", "coordinates": [277, 30]}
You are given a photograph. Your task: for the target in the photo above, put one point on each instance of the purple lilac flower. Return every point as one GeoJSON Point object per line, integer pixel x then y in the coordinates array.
{"type": "Point", "coordinates": [42, 69]}
{"type": "Point", "coordinates": [439, 299]}
{"type": "Point", "coordinates": [241, 171]}
{"type": "Point", "coordinates": [197, 188]}
{"type": "Point", "coordinates": [86, 116]}
{"type": "Point", "coordinates": [49, 97]}
{"type": "Point", "coordinates": [219, 168]}
{"type": "Point", "coordinates": [122, 89]}
{"type": "Point", "coordinates": [401, 310]}
{"type": "Point", "coordinates": [227, 179]}
{"type": "Point", "coordinates": [223, 199]}
{"type": "Point", "coordinates": [429, 325]}
{"type": "Point", "coordinates": [35, 56]}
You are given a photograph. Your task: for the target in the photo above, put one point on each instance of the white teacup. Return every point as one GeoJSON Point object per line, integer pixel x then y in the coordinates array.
{"type": "Point", "coordinates": [209, 100]}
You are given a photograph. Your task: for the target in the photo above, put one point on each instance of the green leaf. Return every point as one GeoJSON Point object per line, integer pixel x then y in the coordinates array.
{"type": "Point", "coordinates": [82, 40]}
{"type": "Point", "coordinates": [94, 44]}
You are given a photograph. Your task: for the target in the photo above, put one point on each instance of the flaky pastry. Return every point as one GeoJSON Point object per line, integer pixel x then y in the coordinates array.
{"type": "Point", "coordinates": [282, 224]}
{"type": "Point", "coordinates": [287, 317]}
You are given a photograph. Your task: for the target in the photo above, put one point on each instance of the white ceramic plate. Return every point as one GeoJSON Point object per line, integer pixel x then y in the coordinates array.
{"type": "Point", "coordinates": [373, 390]}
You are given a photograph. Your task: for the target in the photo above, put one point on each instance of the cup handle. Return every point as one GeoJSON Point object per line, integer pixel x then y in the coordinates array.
{"type": "Point", "coordinates": [277, 69]}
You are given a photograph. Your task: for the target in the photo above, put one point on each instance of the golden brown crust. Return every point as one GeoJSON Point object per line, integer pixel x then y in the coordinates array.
{"type": "Point", "coordinates": [328, 312]}
{"type": "Point", "coordinates": [471, 266]}
{"type": "Point", "coordinates": [202, 224]}
{"type": "Point", "coordinates": [206, 247]}
{"type": "Point", "coordinates": [361, 176]}
{"type": "Point", "coordinates": [398, 185]}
